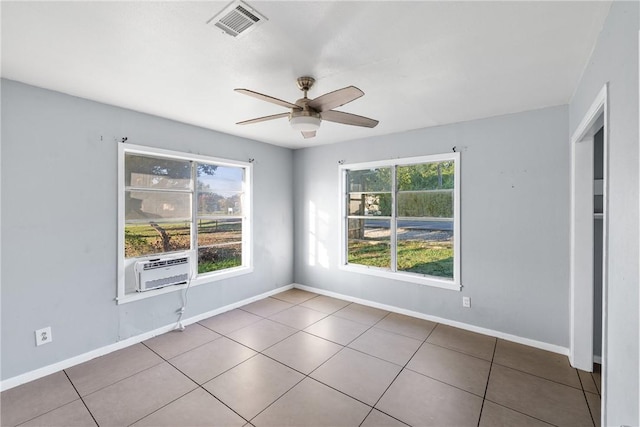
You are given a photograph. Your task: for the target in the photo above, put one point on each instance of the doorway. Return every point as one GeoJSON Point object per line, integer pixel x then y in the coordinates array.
{"type": "Point", "coordinates": [589, 229]}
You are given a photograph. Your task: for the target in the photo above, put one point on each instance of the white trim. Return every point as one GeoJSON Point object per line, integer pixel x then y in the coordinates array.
{"type": "Point", "coordinates": [455, 284]}
{"type": "Point", "coordinates": [484, 331]}
{"type": "Point", "coordinates": [400, 275]}
{"type": "Point", "coordinates": [597, 116]}
{"type": "Point", "coordinates": [203, 279]}
{"type": "Point", "coordinates": [85, 357]}
{"type": "Point", "coordinates": [200, 279]}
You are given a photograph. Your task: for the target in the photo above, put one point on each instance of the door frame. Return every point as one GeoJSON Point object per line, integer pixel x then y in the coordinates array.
{"type": "Point", "coordinates": [582, 283]}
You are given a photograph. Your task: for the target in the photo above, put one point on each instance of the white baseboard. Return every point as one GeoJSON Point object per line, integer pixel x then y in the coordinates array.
{"type": "Point", "coordinates": [490, 332]}
{"type": "Point", "coordinates": [85, 357]}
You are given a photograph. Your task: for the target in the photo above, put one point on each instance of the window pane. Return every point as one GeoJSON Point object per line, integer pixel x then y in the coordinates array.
{"type": "Point", "coordinates": [370, 204]}
{"type": "Point", "coordinates": [156, 204]}
{"type": "Point", "coordinates": [153, 172]}
{"type": "Point", "coordinates": [438, 204]}
{"type": "Point", "coordinates": [215, 232]}
{"type": "Point", "coordinates": [220, 179]}
{"type": "Point", "coordinates": [426, 247]}
{"type": "Point", "coordinates": [219, 204]}
{"type": "Point", "coordinates": [426, 176]}
{"type": "Point", "coordinates": [219, 258]}
{"type": "Point", "coordinates": [148, 239]}
{"type": "Point", "coordinates": [369, 180]}
{"type": "Point", "coordinates": [369, 243]}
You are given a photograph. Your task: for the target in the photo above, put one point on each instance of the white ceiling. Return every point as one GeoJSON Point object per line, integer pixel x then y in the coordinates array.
{"type": "Point", "coordinates": [420, 63]}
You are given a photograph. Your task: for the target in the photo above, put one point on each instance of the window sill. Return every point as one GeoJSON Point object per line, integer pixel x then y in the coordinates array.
{"type": "Point", "coordinates": [404, 277]}
{"type": "Point", "coordinates": [199, 280]}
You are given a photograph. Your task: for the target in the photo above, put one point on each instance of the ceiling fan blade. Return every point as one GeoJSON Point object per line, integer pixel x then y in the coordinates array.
{"type": "Point", "coordinates": [268, 98]}
{"type": "Point", "coordinates": [309, 134]}
{"type": "Point", "coordinates": [348, 119]}
{"type": "Point", "coordinates": [335, 99]}
{"type": "Point", "coordinates": [263, 119]}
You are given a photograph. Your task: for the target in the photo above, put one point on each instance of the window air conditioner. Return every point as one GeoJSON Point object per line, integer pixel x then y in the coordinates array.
{"type": "Point", "coordinates": [160, 272]}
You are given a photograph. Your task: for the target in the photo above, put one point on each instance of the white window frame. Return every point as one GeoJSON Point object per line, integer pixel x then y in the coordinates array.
{"type": "Point", "coordinates": [196, 279]}
{"type": "Point", "coordinates": [455, 283]}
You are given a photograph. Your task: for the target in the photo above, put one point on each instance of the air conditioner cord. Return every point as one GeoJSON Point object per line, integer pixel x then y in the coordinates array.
{"type": "Point", "coordinates": [179, 326]}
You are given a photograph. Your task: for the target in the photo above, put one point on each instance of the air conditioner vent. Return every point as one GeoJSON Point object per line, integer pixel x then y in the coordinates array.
{"type": "Point", "coordinates": [160, 272]}
{"type": "Point", "coordinates": [237, 19]}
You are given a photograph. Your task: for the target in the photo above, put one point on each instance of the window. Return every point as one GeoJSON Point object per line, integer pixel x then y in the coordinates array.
{"type": "Point", "coordinates": [174, 202]}
{"type": "Point", "coordinates": [401, 219]}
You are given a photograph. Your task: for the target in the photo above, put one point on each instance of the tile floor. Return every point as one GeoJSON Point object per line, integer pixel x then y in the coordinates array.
{"type": "Point", "coordinates": [300, 359]}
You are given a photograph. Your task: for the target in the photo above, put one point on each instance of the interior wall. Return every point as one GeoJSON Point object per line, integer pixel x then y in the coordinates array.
{"type": "Point", "coordinates": [514, 222]}
{"type": "Point", "coordinates": [59, 224]}
{"type": "Point", "coordinates": [615, 60]}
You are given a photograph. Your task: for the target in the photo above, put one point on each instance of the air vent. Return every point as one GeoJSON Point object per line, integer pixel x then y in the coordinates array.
{"type": "Point", "coordinates": [237, 19]}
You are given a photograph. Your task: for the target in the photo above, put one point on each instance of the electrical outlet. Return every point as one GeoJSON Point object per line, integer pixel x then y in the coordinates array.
{"type": "Point", "coordinates": [43, 336]}
{"type": "Point", "coordinates": [466, 302]}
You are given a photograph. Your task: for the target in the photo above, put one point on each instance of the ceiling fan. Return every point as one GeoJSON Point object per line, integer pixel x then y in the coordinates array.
{"type": "Point", "coordinates": [306, 114]}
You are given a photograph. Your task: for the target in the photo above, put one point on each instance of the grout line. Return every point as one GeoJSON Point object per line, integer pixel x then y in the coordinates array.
{"type": "Point", "coordinates": [584, 393]}
{"type": "Point", "coordinates": [198, 385]}
{"type": "Point", "coordinates": [220, 400]}
{"type": "Point", "coordinates": [399, 372]}
{"type": "Point", "coordinates": [538, 376]}
{"type": "Point", "coordinates": [81, 399]}
{"type": "Point", "coordinates": [486, 387]}
{"type": "Point", "coordinates": [166, 404]}
{"type": "Point", "coordinates": [125, 378]}
{"type": "Point", "coordinates": [522, 413]}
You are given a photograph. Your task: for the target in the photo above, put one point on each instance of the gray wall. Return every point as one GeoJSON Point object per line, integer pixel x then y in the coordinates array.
{"type": "Point", "coordinates": [59, 224]}
{"type": "Point", "coordinates": [615, 60]}
{"type": "Point", "coordinates": [514, 222]}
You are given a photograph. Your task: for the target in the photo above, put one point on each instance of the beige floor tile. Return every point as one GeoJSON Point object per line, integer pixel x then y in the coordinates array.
{"type": "Point", "coordinates": [313, 404]}
{"type": "Point", "coordinates": [540, 398]}
{"type": "Point", "coordinates": [173, 343]}
{"type": "Point", "coordinates": [454, 368]}
{"type": "Point", "coordinates": [262, 334]}
{"type": "Point", "coordinates": [230, 321]}
{"type": "Point", "coordinates": [392, 347]}
{"type": "Point", "coordinates": [110, 368]}
{"type": "Point", "coordinates": [298, 317]}
{"type": "Point", "coordinates": [405, 325]}
{"type": "Point", "coordinates": [294, 296]}
{"type": "Point", "coordinates": [337, 329]}
{"type": "Point", "coordinates": [35, 398]}
{"type": "Point", "coordinates": [253, 385]}
{"type": "Point", "coordinates": [595, 407]}
{"type": "Point", "coordinates": [378, 419]}
{"type": "Point", "coordinates": [133, 398]}
{"type": "Point", "coordinates": [494, 415]}
{"type": "Point", "coordinates": [210, 360]}
{"type": "Point", "coordinates": [468, 342]}
{"type": "Point", "coordinates": [303, 352]}
{"type": "Point", "coordinates": [552, 366]}
{"type": "Point", "coordinates": [195, 409]}
{"type": "Point", "coordinates": [73, 414]}
{"type": "Point", "coordinates": [359, 375]}
{"type": "Point", "coordinates": [266, 307]}
{"type": "Point", "coordinates": [588, 383]}
{"type": "Point", "coordinates": [325, 304]}
{"type": "Point", "coordinates": [421, 401]}
{"type": "Point", "coordinates": [361, 314]}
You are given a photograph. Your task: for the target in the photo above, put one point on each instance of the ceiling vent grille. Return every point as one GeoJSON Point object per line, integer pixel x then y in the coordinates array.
{"type": "Point", "coordinates": [237, 19]}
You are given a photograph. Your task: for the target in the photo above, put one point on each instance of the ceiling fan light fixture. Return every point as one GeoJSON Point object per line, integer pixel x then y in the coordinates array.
{"type": "Point", "coordinates": [305, 123]}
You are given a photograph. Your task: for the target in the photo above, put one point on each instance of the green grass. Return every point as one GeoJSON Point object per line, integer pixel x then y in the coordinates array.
{"type": "Point", "coordinates": [430, 258]}
{"type": "Point", "coordinates": [209, 266]}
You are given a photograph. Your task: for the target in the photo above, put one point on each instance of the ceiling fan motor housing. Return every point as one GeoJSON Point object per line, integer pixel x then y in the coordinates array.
{"type": "Point", "coordinates": [305, 83]}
